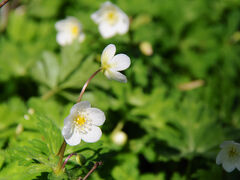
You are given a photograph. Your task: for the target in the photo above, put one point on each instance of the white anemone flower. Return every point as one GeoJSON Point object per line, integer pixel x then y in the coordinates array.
{"type": "Point", "coordinates": [69, 29]}
{"type": "Point", "coordinates": [111, 20]}
{"type": "Point", "coordinates": [229, 156]}
{"type": "Point", "coordinates": [82, 123]}
{"type": "Point", "coordinates": [111, 64]}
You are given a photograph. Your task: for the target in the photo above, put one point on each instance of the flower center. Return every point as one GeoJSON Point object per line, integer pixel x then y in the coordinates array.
{"type": "Point", "coordinates": [75, 30]}
{"type": "Point", "coordinates": [105, 66]}
{"type": "Point", "coordinates": [80, 120]}
{"type": "Point", "coordinates": [232, 152]}
{"type": "Point", "coordinates": [112, 17]}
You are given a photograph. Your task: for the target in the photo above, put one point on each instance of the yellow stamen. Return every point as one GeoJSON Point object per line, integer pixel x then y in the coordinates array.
{"type": "Point", "coordinates": [80, 120]}
{"type": "Point", "coordinates": [105, 66]}
{"type": "Point", "coordinates": [232, 152]}
{"type": "Point", "coordinates": [75, 30]}
{"type": "Point", "coordinates": [112, 17]}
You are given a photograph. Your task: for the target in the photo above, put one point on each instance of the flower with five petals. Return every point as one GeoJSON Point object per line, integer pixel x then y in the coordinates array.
{"type": "Point", "coordinates": [69, 29]}
{"type": "Point", "coordinates": [82, 123]}
{"type": "Point", "coordinates": [229, 156]}
{"type": "Point", "coordinates": [111, 20]}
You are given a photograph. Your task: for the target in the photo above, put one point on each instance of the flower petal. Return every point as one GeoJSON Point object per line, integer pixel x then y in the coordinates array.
{"type": "Point", "coordinates": [107, 30]}
{"type": "Point", "coordinates": [64, 38]}
{"type": "Point", "coordinates": [81, 37]}
{"type": "Point", "coordinates": [96, 17]}
{"type": "Point", "coordinates": [80, 106]}
{"type": "Point", "coordinates": [60, 25]}
{"type": "Point", "coordinates": [96, 116]}
{"type": "Point", "coordinates": [226, 143]}
{"type": "Point", "coordinates": [228, 166]}
{"type": "Point", "coordinates": [74, 139]}
{"type": "Point", "coordinates": [123, 24]}
{"type": "Point", "coordinates": [220, 157]}
{"type": "Point", "coordinates": [108, 53]}
{"type": "Point", "coordinates": [107, 4]}
{"type": "Point", "coordinates": [92, 135]}
{"type": "Point", "coordinates": [120, 62]}
{"type": "Point", "coordinates": [67, 128]}
{"type": "Point", "coordinates": [115, 76]}
{"type": "Point", "coordinates": [238, 165]}
{"type": "Point", "coordinates": [63, 25]}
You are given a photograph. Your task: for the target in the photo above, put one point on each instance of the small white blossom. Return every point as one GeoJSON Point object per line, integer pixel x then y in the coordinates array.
{"type": "Point", "coordinates": [111, 20]}
{"type": "Point", "coordinates": [111, 64]}
{"type": "Point", "coordinates": [69, 29]}
{"type": "Point", "coordinates": [229, 156]}
{"type": "Point", "coordinates": [82, 123]}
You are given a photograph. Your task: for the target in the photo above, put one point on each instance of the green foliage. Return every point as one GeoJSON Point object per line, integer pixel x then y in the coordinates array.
{"type": "Point", "coordinates": [172, 132]}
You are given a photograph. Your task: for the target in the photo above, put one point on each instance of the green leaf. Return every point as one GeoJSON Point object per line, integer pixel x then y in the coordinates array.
{"type": "Point", "coordinates": [71, 58]}
{"type": "Point", "coordinates": [47, 71]}
{"type": "Point", "coordinates": [127, 168]}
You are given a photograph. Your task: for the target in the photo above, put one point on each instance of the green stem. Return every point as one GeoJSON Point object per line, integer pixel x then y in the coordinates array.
{"type": "Point", "coordinates": [64, 144]}
{"type": "Point", "coordinates": [118, 127]}
{"type": "Point", "coordinates": [50, 93]}
{"type": "Point", "coordinates": [61, 154]}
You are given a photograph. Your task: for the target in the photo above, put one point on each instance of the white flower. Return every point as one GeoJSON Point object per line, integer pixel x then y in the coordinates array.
{"type": "Point", "coordinates": [69, 29]}
{"type": "Point", "coordinates": [82, 123]}
{"type": "Point", "coordinates": [112, 64]}
{"type": "Point", "coordinates": [229, 156]}
{"type": "Point", "coordinates": [111, 20]}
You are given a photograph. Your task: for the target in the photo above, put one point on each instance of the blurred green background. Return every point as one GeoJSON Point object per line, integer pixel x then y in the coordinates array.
{"type": "Point", "coordinates": [179, 104]}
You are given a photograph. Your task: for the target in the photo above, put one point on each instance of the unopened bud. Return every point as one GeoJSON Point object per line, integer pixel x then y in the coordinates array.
{"type": "Point", "coordinates": [19, 129]}
{"type": "Point", "coordinates": [26, 117]}
{"type": "Point", "coordinates": [80, 159]}
{"type": "Point", "coordinates": [146, 48]}
{"type": "Point", "coordinates": [191, 85]}
{"type": "Point", "coordinates": [31, 111]}
{"type": "Point", "coordinates": [119, 138]}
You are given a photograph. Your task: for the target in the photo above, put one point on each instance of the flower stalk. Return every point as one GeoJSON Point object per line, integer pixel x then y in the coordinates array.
{"type": "Point", "coordinates": [62, 149]}
{"type": "Point", "coordinates": [61, 154]}
{"type": "Point", "coordinates": [3, 3]}
{"type": "Point", "coordinates": [83, 121]}
{"type": "Point", "coordinates": [66, 160]}
{"type": "Point", "coordinates": [92, 170]}
{"type": "Point", "coordinates": [86, 84]}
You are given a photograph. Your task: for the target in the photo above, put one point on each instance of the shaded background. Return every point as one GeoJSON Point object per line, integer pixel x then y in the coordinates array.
{"type": "Point", "coordinates": [179, 104]}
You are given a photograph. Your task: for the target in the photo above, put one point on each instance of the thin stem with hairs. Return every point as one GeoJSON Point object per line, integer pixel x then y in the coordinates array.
{"type": "Point", "coordinates": [66, 160]}
{"type": "Point", "coordinates": [3, 3]}
{"type": "Point", "coordinates": [86, 84]}
{"type": "Point", "coordinates": [95, 166]}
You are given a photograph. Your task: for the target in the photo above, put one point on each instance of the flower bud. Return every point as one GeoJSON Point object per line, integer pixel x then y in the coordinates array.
{"type": "Point", "coordinates": [119, 138]}
{"type": "Point", "coordinates": [146, 48]}
{"type": "Point", "coordinates": [26, 117]}
{"type": "Point", "coordinates": [80, 159]}
{"type": "Point", "coordinates": [31, 111]}
{"type": "Point", "coordinates": [19, 129]}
